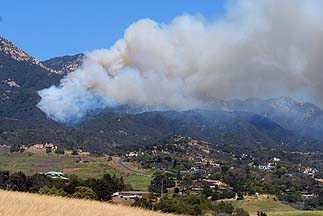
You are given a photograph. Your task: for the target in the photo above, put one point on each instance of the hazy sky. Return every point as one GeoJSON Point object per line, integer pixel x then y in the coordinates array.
{"type": "Point", "coordinates": [52, 28]}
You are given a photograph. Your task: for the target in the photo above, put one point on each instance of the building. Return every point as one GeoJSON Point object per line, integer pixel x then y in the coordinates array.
{"type": "Point", "coordinates": [54, 174]}
{"type": "Point", "coordinates": [131, 194]}
{"type": "Point", "coordinates": [306, 195]}
{"type": "Point", "coordinates": [43, 146]}
{"type": "Point", "coordinates": [214, 183]}
{"type": "Point", "coordinates": [265, 167]}
{"type": "Point", "coordinates": [310, 171]}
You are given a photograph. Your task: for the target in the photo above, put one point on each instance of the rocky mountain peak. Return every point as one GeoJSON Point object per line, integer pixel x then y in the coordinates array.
{"type": "Point", "coordinates": [64, 64]}
{"type": "Point", "coordinates": [10, 49]}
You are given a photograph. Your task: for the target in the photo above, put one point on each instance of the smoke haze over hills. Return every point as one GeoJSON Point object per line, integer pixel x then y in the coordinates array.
{"type": "Point", "coordinates": [258, 49]}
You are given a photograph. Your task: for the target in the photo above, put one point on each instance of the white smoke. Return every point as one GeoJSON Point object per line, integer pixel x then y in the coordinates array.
{"type": "Point", "coordinates": [259, 48]}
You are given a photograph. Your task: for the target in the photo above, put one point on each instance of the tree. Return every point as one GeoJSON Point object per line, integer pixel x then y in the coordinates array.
{"type": "Point", "coordinates": [4, 177]}
{"type": "Point", "coordinates": [74, 182]}
{"type": "Point", "coordinates": [158, 184]}
{"type": "Point", "coordinates": [48, 150]}
{"type": "Point", "coordinates": [18, 182]}
{"type": "Point", "coordinates": [59, 151]}
{"type": "Point", "coordinates": [16, 148]}
{"type": "Point", "coordinates": [241, 212]}
{"type": "Point", "coordinates": [74, 152]}
{"type": "Point", "coordinates": [143, 203]}
{"type": "Point", "coordinates": [224, 207]}
{"type": "Point", "coordinates": [176, 190]}
{"type": "Point", "coordinates": [103, 187]}
{"type": "Point", "coordinates": [38, 181]}
{"type": "Point", "coordinates": [84, 193]}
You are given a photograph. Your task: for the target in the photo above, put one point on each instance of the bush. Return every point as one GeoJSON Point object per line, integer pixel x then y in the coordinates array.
{"type": "Point", "coordinates": [74, 152]}
{"type": "Point", "coordinates": [48, 150]}
{"type": "Point", "coordinates": [84, 193]}
{"type": "Point", "coordinates": [143, 203]}
{"type": "Point", "coordinates": [60, 151]}
{"type": "Point", "coordinates": [16, 148]}
{"type": "Point", "coordinates": [224, 207]}
{"type": "Point", "coordinates": [241, 212]}
{"type": "Point", "coordinates": [52, 191]}
{"type": "Point", "coordinates": [190, 205]}
{"type": "Point", "coordinates": [18, 182]}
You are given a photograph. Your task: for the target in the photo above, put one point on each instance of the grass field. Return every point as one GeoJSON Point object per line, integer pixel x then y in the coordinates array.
{"type": "Point", "coordinates": [267, 204]}
{"type": "Point", "coordinates": [24, 204]}
{"type": "Point", "coordinates": [296, 213]}
{"type": "Point", "coordinates": [96, 167]}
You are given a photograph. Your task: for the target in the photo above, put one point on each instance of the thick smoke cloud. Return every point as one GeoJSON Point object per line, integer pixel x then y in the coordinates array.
{"type": "Point", "coordinates": [259, 48]}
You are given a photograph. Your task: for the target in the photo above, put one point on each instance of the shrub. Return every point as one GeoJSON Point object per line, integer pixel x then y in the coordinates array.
{"type": "Point", "coordinates": [261, 213]}
{"type": "Point", "coordinates": [143, 203]}
{"type": "Point", "coordinates": [74, 152]}
{"type": "Point", "coordinates": [60, 151]}
{"type": "Point", "coordinates": [241, 212]}
{"type": "Point", "coordinates": [52, 191]}
{"type": "Point", "coordinates": [84, 193]}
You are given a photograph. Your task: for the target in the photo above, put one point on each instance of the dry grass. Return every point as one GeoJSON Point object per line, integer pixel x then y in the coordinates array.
{"type": "Point", "coordinates": [25, 204]}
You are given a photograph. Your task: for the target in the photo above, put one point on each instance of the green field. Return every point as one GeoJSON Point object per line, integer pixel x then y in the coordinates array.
{"type": "Point", "coordinates": [267, 204]}
{"type": "Point", "coordinates": [31, 163]}
{"type": "Point", "coordinates": [296, 213]}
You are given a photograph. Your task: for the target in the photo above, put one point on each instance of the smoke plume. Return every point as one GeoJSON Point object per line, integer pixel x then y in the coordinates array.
{"type": "Point", "coordinates": [258, 48]}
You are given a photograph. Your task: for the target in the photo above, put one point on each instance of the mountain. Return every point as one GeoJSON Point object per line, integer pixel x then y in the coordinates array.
{"type": "Point", "coordinates": [21, 76]}
{"type": "Point", "coordinates": [303, 118]}
{"type": "Point", "coordinates": [9, 49]}
{"type": "Point", "coordinates": [64, 64]}
{"type": "Point", "coordinates": [274, 123]}
{"type": "Point", "coordinates": [236, 128]}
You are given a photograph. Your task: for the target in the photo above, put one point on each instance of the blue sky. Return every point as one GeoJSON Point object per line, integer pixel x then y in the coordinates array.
{"type": "Point", "coordinates": [52, 28]}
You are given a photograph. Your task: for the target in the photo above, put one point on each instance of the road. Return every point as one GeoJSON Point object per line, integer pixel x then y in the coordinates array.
{"type": "Point", "coordinates": [119, 162]}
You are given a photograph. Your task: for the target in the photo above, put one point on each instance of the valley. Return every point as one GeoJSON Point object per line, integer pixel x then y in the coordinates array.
{"type": "Point", "coordinates": [180, 115]}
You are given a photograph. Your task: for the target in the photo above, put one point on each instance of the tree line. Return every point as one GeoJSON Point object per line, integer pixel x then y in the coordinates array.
{"type": "Point", "coordinates": [92, 188]}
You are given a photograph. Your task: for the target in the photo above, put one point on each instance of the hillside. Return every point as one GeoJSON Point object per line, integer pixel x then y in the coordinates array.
{"type": "Point", "coordinates": [278, 123]}
{"type": "Point", "coordinates": [301, 117]}
{"type": "Point", "coordinates": [236, 128]}
{"type": "Point", "coordinates": [64, 64]}
{"type": "Point", "coordinates": [41, 205]}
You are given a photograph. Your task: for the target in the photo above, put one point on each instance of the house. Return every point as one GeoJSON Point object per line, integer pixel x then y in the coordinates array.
{"type": "Point", "coordinates": [265, 167]}
{"type": "Point", "coordinates": [214, 183]}
{"type": "Point", "coordinates": [54, 174]}
{"type": "Point", "coordinates": [195, 168]}
{"type": "Point", "coordinates": [132, 154]}
{"type": "Point", "coordinates": [43, 146]}
{"type": "Point", "coordinates": [131, 194]}
{"type": "Point", "coordinates": [37, 146]}
{"type": "Point", "coordinates": [310, 171]}
{"type": "Point", "coordinates": [276, 159]}
{"type": "Point", "coordinates": [197, 185]}
{"type": "Point", "coordinates": [306, 195]}
{"type": "Point", "coordinates": [197, 159]}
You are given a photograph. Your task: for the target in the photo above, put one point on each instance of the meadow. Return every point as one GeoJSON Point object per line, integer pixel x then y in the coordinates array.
{"type": "Point", "coordinates": [271, 207]}
{"type": "Point", "coordinates": [90, 166]}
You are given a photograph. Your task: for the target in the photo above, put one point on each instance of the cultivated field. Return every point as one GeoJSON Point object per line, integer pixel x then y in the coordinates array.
{"type": "Point", "coordinates": [24, 204]}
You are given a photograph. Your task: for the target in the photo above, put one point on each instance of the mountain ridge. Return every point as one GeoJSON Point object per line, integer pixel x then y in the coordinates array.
{"type": "Point", "coordinates": [252, 123]}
